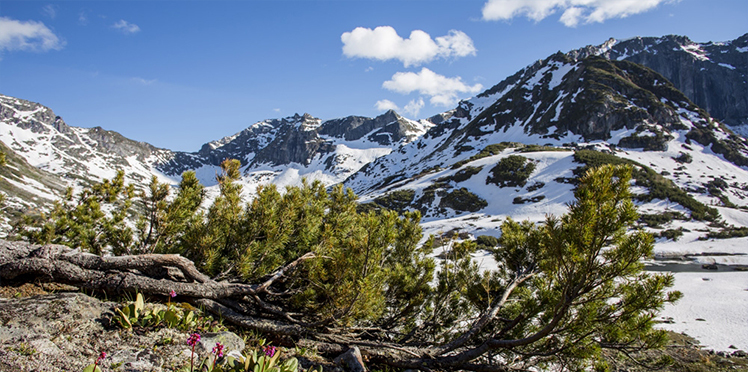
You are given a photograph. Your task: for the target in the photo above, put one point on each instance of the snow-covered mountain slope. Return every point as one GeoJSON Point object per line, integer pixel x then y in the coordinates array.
{"type": "Point", "coordinates": [515, 150]}
{"type": "Point", "coordinates": [283, 151]}
{"type": "Point", "coordinates": [279, 151]}
{"type": "Point", "coordinates": [713, 74]}
{"type": "Point", "coordinates": [45, 141]}
{"type": "Point", "coordinates": [560, 102]}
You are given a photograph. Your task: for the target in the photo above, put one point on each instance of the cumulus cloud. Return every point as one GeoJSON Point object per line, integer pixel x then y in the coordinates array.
{"type": "Point", "coordinates": [383, 43]}
{"type": "Point", "coordinates": [27, 36]}
{"type": "Point", "coordinates": [414, 107]}
{"type": "Point", "coordinates": [574, 12]}
{"type": "Point", "coordinates": [443, 91]}
{"type": "Point", "coordinates": [126, 27]}
{"type": "Point", "coordinates": [385, 104]}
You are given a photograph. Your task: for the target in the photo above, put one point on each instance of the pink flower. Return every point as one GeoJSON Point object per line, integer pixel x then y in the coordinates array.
{"type": "Point", "coordinates": [172, 294]}
{"type": "Point", "coordinates": [218, 350]}
{"type": "Point", "coordinates": [270, 351]}
{"type": "Point", "coordinates": [99, 359]}
{"type": "Point", "coordinates": [193, 339]}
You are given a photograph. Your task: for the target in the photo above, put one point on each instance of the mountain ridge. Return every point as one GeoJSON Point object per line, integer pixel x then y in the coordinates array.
{"type": "Point", "coordinates": [513, 151]}
{"type": "Point", "coordinates": [712, 74]}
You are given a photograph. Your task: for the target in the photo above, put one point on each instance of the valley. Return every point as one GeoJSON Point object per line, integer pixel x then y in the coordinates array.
{"type": "Point", "coordinates": [514, 151]}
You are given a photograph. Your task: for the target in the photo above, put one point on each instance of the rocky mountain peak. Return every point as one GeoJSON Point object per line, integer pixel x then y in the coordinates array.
{"type": "Point", "coordinates": [711, 74]}
{"type": "Point", "coordinates": [386, 129]}
{"type": "Point", "coordinates": [30, 115]}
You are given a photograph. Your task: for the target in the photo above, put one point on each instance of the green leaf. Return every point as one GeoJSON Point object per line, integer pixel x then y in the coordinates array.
{"type": "Point", "coordinates": [290, 365]}
{"type": "Point", "coordinates": [171, 318]}
{"type": "Point", "coordinates": [92, 368]}
{"type": "Point", "coordinates": [139, 305]}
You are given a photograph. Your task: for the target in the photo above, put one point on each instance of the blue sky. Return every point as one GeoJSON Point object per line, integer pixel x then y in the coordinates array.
{"type": "Point", "coordinates": [178, 74]}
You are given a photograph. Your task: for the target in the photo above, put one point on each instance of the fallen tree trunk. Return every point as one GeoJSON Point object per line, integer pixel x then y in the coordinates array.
{"type": "Point", "coordinates": [155, 274]}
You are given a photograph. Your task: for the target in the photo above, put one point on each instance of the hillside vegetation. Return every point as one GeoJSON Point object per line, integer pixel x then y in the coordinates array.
{"type": "Point", "coordinates": [306, 264]}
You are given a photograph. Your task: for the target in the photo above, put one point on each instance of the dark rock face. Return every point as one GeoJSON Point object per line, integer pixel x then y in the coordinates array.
{"type": "Point", "coordinates": [386, 129]}
{"type": "Point", "coordinates": [712, 75]}
{"type": "Point", "coordinates": [293, 146]}
{"type": "Point", "coordinates": [296, 139]}
{"type": "Point", "coordinates": [590, 97]}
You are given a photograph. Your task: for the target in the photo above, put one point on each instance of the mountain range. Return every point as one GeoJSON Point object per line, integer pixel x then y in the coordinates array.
{"type": "Point", "coordinates": [641, 95]}
{"type": "Point", "coordinates": [672, 108]}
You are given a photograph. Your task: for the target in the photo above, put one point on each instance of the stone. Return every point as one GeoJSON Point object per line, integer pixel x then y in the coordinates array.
{"type": "Point", "coordinates": [67, 331]}
{"type": "Point", "coordinates": [229, 340]}
{"type": "Point", "coordinates": [351, 360]}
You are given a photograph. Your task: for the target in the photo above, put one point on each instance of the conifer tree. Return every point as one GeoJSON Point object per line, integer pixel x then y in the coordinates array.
{"type": "Point", "coordinates": [317, 269]}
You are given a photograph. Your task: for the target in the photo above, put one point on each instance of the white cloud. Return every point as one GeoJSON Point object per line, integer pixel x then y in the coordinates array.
{"type": "Point", "coordinates": [50, 11]}
{"type": "Point", "coordinates": [385, 104]}
{"type": "Point", "coordinates": [574, 12]}
{"type": "Point", "coordinates": [383, 43]}
{"type": "Point", "coordinates": [27, 36]}
{"type": "Point", "coordinates": [142, 81]}
{"type": "Point", "coordinates": [126, 27]}
{"type": "Point", "coordinates": [414, 107]}
{"type": "Point", "coordinates": [442, 90]}
{"type": "Point", "coordinates": [277, 110]}
{"type": "Point", "coordinates": [83, 17]}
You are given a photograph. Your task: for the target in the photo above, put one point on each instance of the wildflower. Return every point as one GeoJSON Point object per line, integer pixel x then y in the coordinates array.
{"type": "Point", "coordinates": [172, 294]}
{"type": "Point", "coordinates": [98, 360]}
{"type": "Point", "coordinates": [270, 351]}
{"type": "Point", "coordinates": [218, 350]}
{"type": "Point", "coordinates": [193, 339]}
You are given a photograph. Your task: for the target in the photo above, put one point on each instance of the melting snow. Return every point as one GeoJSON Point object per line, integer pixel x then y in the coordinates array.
{"type": "Point", "coordinates": [696, 51]}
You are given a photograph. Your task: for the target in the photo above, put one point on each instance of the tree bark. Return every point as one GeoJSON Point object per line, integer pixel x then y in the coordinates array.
{"type": "Point", "coordinates": [156, 274]}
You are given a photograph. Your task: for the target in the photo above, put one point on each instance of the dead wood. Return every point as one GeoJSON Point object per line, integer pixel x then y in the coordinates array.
{"type": "Point", "coordinates": [238, 303]}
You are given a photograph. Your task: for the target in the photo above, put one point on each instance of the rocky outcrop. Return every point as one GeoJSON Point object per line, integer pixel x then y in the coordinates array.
{"type": "Point", "coordinates": [68, 331]}
{"type": "Point", "coordinates": [386, 129]}
{"type": "Point", "coordinates": [297, 139]}
{"type": "Point", "coordinates": [30, 115]}
{"type": "Point", "coordinates": [712, 75]}
{"type": "Point", "coordinates": [591, 98]}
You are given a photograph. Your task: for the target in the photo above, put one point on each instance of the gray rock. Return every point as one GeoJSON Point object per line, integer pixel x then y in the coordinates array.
{"type": "Point", "coordinates": [67, 331]}
{"type": "Point", "coordinates": [229, 340]}
{"type": "Point", "coordinates": [135, 360]}
{"type": "Point", "coordinates": [351, 360]}
{"type": "Point", "coordinates": [714, 80]}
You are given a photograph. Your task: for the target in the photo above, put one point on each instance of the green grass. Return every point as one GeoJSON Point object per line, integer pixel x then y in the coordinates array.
{"type": "Point", "coordinates": [397, 200]}
{"type": "Point", "coordinates": [672, 234]}
{"type": "Point", "coordinates": [659, 219]}
{"type": "Point", "coordinates": [541, 148]}
{"type": "Point", "coordinates": [727, 233]}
